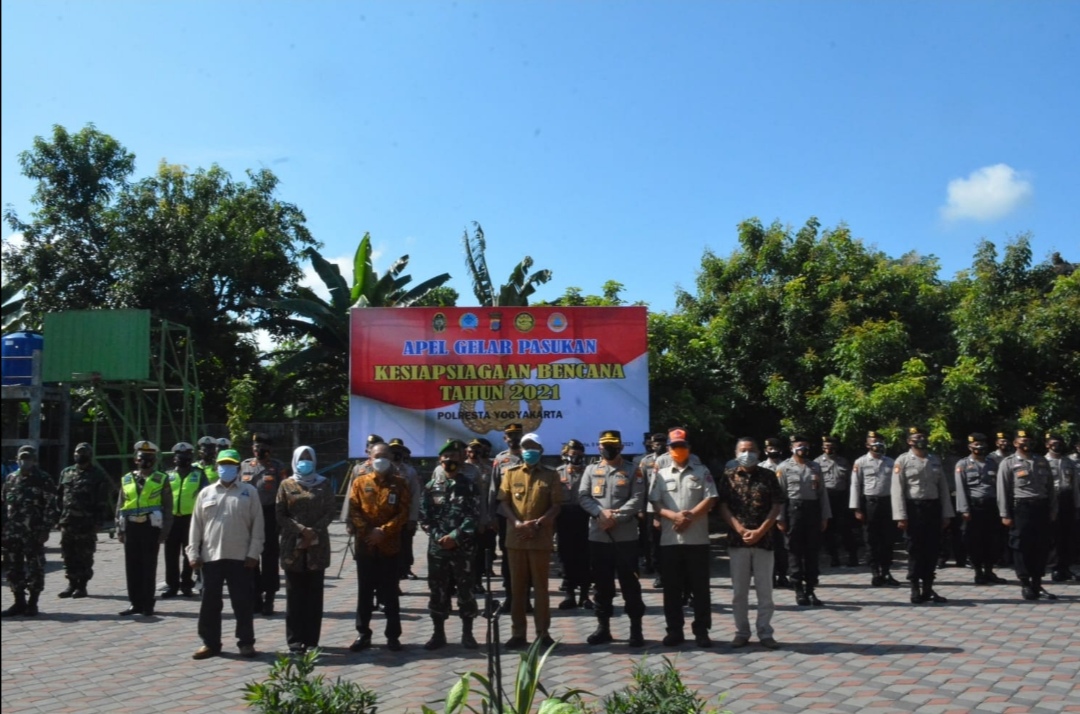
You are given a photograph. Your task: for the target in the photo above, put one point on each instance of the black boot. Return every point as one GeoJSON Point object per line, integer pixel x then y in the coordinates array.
{"type": "Point", "coordinates": [993, 578]}
{"type": "Point", "coordinates": [31, 605]}
{"type": "Point", "coordinates": [467, 639]}
{"type": "Point", "coordinates": [19, 606]}
{"type": "Point", "coordinates": [80, 590]}
{"type": "Point", "coordinates": [438, 637]}
{"type": "Point", "coordinates": [585, 602]}
{"type": "Point", "coordinates": [602, 635]}
{"type": "Point", "coordinates": [268, 605]}
{"type": "Point", "coordinates": [878, 579]}
{"type": "Point", "coordinates": [853, 559]}
{"type": "Point", "coordinates": [980, 576]}
{"type": "Point", "coordinates": [928, 593]}
{"type": "Point", "coordinates": [1027, 591]}
{"type": "Point", "coordinates": [812, 596]}
{"type": "Point", "coordinates": [916, 593]}
{"type": "Point", "coordinates": [1036, 585]}
{"type": "Point", "coordinates": [800, 594]}
{"type": "Point", "coordinates": [569, 602]}
{"type": "Point", "coordinates": [888, 578]}
{"type": "Point", "coordinates": [68, 591]}
{"type": "Point", "coordinates": [637, 639]}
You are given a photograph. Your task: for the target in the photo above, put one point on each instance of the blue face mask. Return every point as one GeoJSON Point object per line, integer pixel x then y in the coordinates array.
{"type": "Point", "coordinates": [228, 472]}
{"type": "Point", "coordinates": [305, 467]}
{"type": "Point", "coordinates": [531, 456]}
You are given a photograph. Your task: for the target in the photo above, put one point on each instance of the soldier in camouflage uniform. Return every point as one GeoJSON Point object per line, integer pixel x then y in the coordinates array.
{"type": "Point", "coordinates": [449, 512]}
{"type": "Point", "coordinates": [82, 495]}
{"type": "Point", "coordinates": [30, 502]}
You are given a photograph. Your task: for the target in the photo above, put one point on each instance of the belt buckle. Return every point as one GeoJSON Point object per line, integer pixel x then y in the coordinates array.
{"type": "Point", "coordinates": [137, 519]}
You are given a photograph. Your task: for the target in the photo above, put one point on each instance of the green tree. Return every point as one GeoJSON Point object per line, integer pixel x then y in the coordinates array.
{"type": "Point", "coordinates": [316, 361]}
{"type": "Point", "coordinates": [196, 248]}
{"type": "Point", "coordinates": [515, 292]}
{"type": "Point", "coordinates": [609, 297]}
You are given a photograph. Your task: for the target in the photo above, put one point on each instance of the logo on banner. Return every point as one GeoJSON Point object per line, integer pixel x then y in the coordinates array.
{"type": "Point", "coordinates": [469, 321]}
{"type": "Point", "coordinates": [496, 321]}
{"type": "Point", "coordinates": [524, 322]}
{"type": "Point", "coordinates": [556, 322]}
{"type": "Point", "coordinates": [438, 323]}
{"type": "Point", "coordinates": [498, 409]}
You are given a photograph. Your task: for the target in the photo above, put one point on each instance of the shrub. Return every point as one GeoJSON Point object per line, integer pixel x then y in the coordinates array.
{"type": "Point", "coordinates": [657, 691]}
{"type": "Point", "coordinates": [291, 689]}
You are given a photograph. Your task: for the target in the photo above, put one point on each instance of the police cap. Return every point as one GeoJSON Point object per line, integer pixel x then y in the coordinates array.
{"type": "Point", "coordinates": [374, 439]}
{"type": "Point", "coordinates": [976, 436]}
{"type": "Point", "coordinates": [27, 449]}
{"type": "Point", "coordinates": [514, 428]}
{"type": "Point", "coordinates": [207, 441]}
{"type": "Point", "coordinates": [610, 436]}
{"type": "Point", "coordinates": [145, 447]}
{"type": "Point", "coordinates": [182, 446]}
{"type": "Point", "coordinates": [575, 444]}
{"type": "Point", "coordinates": [774, 442]}
{"type": "Point", "coordinates": [224, 443]}
{"type": "Point", "coordinates": [83, 446]}
{"type": "Point", "coordinates": [916, 431]}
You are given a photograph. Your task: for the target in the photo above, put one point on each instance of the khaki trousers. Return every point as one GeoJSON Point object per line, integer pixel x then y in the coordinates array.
{"type": "Point", "coordinates": [529, 567]}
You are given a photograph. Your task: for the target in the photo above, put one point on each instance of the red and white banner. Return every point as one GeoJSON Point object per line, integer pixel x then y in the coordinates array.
{"type": "Point", "coordinates": [426, 375]}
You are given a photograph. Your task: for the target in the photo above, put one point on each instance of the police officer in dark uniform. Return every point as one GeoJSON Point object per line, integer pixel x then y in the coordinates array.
{"type": "Point", "coordinates": [803, 518]}
{"type": "Point", "coordinates": [1067, 486]}
{"type": "Point", "coordinates": [649, 530]}
{"type": "Point", "coordinates": [976, 502]}
{"type": "Point", "coordinates": [81, 497]}
{"type": "Point", "coordinates": [774, 456]}
{"type": "Point", "coordinates": [475, 456]}
{"type": "Point", "coordinates": [449, 513]}
{"type": "Point", "coordinates": [266, 473]}
{"type": "Point", "coordinates": [504, 460]}
{"type": "Point", "coordinates": [871, 503]}
{"type": "Point", "coordinates": [612, 493]}
{"type": "Point", "coordinates": [144, 516]}
{"type": "Point", "coordinates": [922, 509]}
{"type": "Point", "coordinates": [836, 472]}
{"type": "Point", "coordinates": [1027, 500]}
{"type": "Point", "coordinates": [572, 528]}
{"type": "Point", "coordinates": [185, 481]}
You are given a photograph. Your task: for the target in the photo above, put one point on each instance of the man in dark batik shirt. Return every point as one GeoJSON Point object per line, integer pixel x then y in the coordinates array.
{"type": "Point", "coordinates": [750, 500]}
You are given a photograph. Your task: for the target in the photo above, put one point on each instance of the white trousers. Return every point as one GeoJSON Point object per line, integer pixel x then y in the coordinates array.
{"type": "Point", "coordinates": [756, 563]}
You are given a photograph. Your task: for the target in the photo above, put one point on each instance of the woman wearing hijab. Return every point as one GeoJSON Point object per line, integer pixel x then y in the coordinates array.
{"type": "Point", "coordinates": [305, 507]}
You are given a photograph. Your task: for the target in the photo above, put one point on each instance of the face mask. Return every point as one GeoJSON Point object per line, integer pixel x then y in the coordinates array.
{"type": "Point", "coordinates": [183, 459]}
{"type": "Point", "coordinates": [1023, 446]}
{"type": "Point", "coordinates": [802, 450]}
{"type": "Point", "coordinates": [398, 456]}
{"type": "Point", "coordinates": [381, 466]}
{"type": "Point", "coordinates": [747, 459]}
{"type": "Point", "coordinates": [514, 442]}
{"type": "Point", "coordinates": [774, 455]}
{"type": "Point", "coordinates": [450, 466]}
{"type": "Point", "coordinates": [658, 449]}
{"type": "Point", "coordinates": [531, 456]}
{"type": "Point", "coordinates": [82, 458]}
{"type": "Point", "coordinates": [1057, 447]}
{"type": "Point", "coordinates": [680, 453]}
{"type": "Point", "coordinates": [262, 453]}
{"type": "Point", "coordinates": [919, 443]}
{"type": "Point", "coordinates": [305, 467]}
{"type": "Point", "coordinates": [146, 462]}
{"type": "Point", "coordinates": [877, 448]}
{"type": "Point", "coordinates": [228, 472]}
{"type": "Point", "coordinates": [610, 452]}
{"type": "Point", "coordinates": [978, 449]}
{"type": "Point", "coordinates": [576, 460]}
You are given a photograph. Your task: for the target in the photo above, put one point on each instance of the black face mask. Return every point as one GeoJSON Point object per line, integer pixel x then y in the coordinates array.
{"type": "Point", "coordinates": [262, 453]}
{"type": "Point", "coordinates": [450, 466]}
{"type": "Point", "coordinates": [774, 455]}
{"type": "Point", "coordinates": [658, 449]}
{"type": "Point", "coordinates": [576, 459]}
{"type": "Point", "coordinates": [514, 442]}
{"type": "Point", "coordinates": [877, 448]}
{"type": "Point", "coordinates": [1057, 447]}
{"type": "Point", "coordinates": [146, 462]}
{"type": "Point", "coordinates": [978, 449]}
{"type": "Point", "coordinates": [803, 451]}
{"type": "Point", "coordinates": [183, 459]}
{"type": "Point", "coordinates": [610, 452]}
{"type": "Point", "coordinates": [82, 458]}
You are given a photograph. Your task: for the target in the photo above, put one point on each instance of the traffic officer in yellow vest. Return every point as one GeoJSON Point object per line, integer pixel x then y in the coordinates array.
{"type": "Point", "coordinates": [185, 482]}
{"type": "Point", "coordinates": [208, 449]}
{"type": "Point", "coordinates": [1027, 500]}
{"type": "Point", "coordinates": [144, 514]}
{"type": "Point", "coordinates": [613, 494]}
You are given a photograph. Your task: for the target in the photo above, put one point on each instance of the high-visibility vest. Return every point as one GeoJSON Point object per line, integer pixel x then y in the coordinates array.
{"type": "Point", "coordinates": [137, 503]}
{"type": "Point", "coordinates": [184, 491]}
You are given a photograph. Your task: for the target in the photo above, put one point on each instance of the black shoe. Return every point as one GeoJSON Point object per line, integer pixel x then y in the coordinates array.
{"type": "Point", "coordinates": [130, 610]}
{"type": "Point", "coordinates": [783, 582]}
{"type": "Point", "coordinates": [67, 592]}
{"type": "Point", "coordinates": [546, 642]}
{"type": "Point", "coordinates": [1041, 593]}
{"type": "Point", "coordinates": [569, 603]}
{"type": "Point", "coordinates": [393, 644]}
{"type": "Point", "coordinates": [890, 580]}
{"type": "Point", "coordinates": [148, 611]}
{"type": "Point", "coordinates": [658, 583]}
{"type": "Point", "coordinates": [516, 643]}
{"type": "Point", "coordinates": [877, 581]}
{"type": "Point", "coordinates": [171, 592]}
{"type": "Point", "coordinates": [1029, 593]}
{"type": "Point", "coordinates": [601, 636]}
{"type": "Point", "coordinates": [800, 595]}
{"type": "Point", "coordinates": [995, 579]}
{"type": "Point", "coordinates": [80, 592]}
{"type": "Point", "coordinates": [1057, 576]}
{"type": "Point", "coordinates": [637, 638]}
{"type": "Point", "coordinates": [703, 640]}
{"type": "Point", "coordinates": [187, 592]}
{"type": "Point", "coordinates": [980, 578]}
{"type": "Point", "coordinates": [916, 594]}
{"type": "Point", "coordinates": [587, 603]}
{"type": "Point", "coordinates": [18, 607]}
{"type": "Point", "coordinates": [478, 590]}
{"type": "Point", "coordinates": [812, 596]}
{"type": "Point", "coordinates": [412, 576]}
{"type": "Point", "coordinates": [834, 561]}
{"type": "Point", "coordinates": [362, 642]}
{"type": "Point", "coordinates": [32, 605]}
{"type": "Point", "coordinates": [673, 639]}
{"type": "Point", "coordinates": [930, 596]}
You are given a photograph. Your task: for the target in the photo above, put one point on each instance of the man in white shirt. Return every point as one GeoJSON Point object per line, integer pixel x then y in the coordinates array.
{"type": "Point", "coordinates": [226, 541]}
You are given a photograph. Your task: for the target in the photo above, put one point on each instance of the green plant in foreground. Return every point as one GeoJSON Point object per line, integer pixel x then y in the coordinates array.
{"type": "Point", "coordinates": [657, 691]}
{"type": "Point", "coordinates": [291, 689]}
{"type": "Point", "coordinates": [526, 685]}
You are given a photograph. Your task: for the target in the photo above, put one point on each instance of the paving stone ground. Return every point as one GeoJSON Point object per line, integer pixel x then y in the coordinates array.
{"type": "Point", "coordinates": [868, 650]}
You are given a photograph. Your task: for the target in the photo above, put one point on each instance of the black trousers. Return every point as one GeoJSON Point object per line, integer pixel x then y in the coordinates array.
{"type": "Point", "coordinates": [983, 533]}
{"type": "Point", "coordinates": [504, 566]}
{"type": "Point", "coordinates": [645, 544]}
{"type": "Point", "coordinates": [178, 572]}
{"type": "Point", "coordinates": [572, 531]}
{"type": "Point", "coordinates": [377, 575]}
{"type": "Point", "coordinates": [267, 574]}
{"type": "Point", "coordinates": [217, 574]}
{"type": "Point", "coordinates": [484, 555]}
{"type": "Point", "coordinates": [657, 551]}
{"type": "Point", "coordinates": [841, 529]}
{"type": "Point", "coordinates": [923, 538]}
{"type": "Point", "coordinates": [405, 555]}
{"type": "Point", "coordinates": [1029, 537]}
{"type": "Point", "coordinates": [803, 541]}
{"type": "Point", "coordinates": [952, 542]}
{"type": "Point", "coordinates": [1065, 532]}
{"type": "Point", "coordinates": [611, 560]}
{"type": "Point", "coordinates": [880, 530]}
{"type": "Point", "coordinates": [141, 543]}
{"type": "Point", "coordinates": [780, 554]}
{"type": "Point", "coordinates": [686, 564]}
{"type": "Point", "coordinates": [303, 607]}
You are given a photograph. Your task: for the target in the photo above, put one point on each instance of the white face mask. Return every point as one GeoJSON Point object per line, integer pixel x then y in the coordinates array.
{"type": "Point", "coordinates": [228, 472]}
{"type": "Point", "coordinates": [747, 458]}
{"type": "Point", "coordinates": [381, 466]}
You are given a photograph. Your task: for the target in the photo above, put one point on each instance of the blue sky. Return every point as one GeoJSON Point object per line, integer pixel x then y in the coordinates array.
{"type": "Point", "coordinates": [606, 140]}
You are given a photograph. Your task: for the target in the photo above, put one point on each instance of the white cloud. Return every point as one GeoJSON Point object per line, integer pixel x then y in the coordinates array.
{"type": "Point", "coordinates": [312, 280]}
{"type": "Point", "coordinates": [15, 241]}
{"type": "Point", "coordinates": [987, 194]}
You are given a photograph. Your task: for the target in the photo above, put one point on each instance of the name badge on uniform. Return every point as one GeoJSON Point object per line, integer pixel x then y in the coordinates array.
{"type": "Point", "coordinates": [814, 483]}
{"type": "Point", "coordinates": [246, 478]}
{"type": "Point", "coordinates": [620, 483]}
{"type": "Point", "coordinates": [519, 494]}
{"type": "Point", "coordinates": [671, 484]}
{"type": "Point", "coordinates": [392, 499]}
{"type": "Point", "coordinates": [369, 489]}
{"type": "Point", "coordinates": [209, 502]}
{"type": "Point", "coordinates": [598, 487]}
{"type": "Point", "coordinates": [1022, 473]}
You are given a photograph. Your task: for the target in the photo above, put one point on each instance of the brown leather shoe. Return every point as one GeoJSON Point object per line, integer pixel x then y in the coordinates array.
{"type": "Point", "coordinates": [205, 652]}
